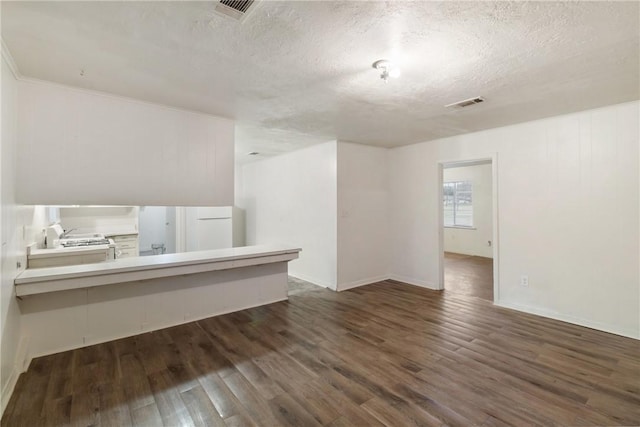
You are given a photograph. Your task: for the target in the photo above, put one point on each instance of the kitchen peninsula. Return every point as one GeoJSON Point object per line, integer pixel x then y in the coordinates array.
{"type": "Point", "coordinates": [73, 306]}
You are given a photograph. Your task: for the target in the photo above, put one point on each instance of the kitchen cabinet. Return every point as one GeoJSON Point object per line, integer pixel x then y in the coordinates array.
{"type": "Point", "coordinates": [42, 258]}
{"type": "Point", "coordinates": [126, 245]}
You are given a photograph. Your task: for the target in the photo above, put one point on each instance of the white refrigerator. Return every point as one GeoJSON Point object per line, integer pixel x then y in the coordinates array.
{"type": "Point", "coordinates": [213, 228]}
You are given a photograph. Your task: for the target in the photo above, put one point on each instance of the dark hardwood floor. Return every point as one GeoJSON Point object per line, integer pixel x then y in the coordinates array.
{"type": "Point", "coordinates": [383, 354]}
{"type": "Point", "coordinates": [299, 286]}
{"type": "Point", "coordinates": [469, 275]}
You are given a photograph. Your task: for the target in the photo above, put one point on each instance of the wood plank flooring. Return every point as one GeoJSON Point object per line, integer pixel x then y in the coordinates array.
{"type": "Point", "coordinates": [383, 354]}
{"type": "Point", "coordinates": [469, 275]}
{"type": "Point", "coordinates": [299, 286]}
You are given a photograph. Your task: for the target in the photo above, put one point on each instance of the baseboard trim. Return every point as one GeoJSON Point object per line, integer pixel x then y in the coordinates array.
{"type": "Point", "coordinates": [313, 280]}
{"type": "Point", "coordinates": [569, 319]}
{"type": "Point", "coordinates": [414, 282]}
{"type": "Point", "coordinates": [20, 364]}
{"type": "Point", "coordinates": [7, 391]}
{"type": "Point", "coordinates": [363, 282]}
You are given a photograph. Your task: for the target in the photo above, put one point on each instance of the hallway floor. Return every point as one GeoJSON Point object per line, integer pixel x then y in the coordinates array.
{"type": "Point", "coordinates": [299, 286]}
{"type": "Point", "coordinates": [468, 275]}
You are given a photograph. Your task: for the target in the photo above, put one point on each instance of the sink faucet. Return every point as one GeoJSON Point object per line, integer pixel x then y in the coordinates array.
{"type": "Point", "coordinates": [66, 233]}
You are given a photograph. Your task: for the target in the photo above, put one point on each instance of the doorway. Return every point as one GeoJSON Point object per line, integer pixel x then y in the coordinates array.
{"type": "Point", "coordinates": [468, 228]}
{"type": "Point", "coordinates": [157, 230]}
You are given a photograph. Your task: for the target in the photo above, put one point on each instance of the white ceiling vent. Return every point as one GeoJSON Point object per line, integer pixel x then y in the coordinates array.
{"type": "Point", "coordinates": [236, 9]}
{"type": "Point", "coordinates": [466, 102]}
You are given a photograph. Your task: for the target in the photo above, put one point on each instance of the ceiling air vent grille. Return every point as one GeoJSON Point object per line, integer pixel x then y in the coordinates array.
{"type": "Point", "coordinates": [466, 102]}
{"type": "Point", "coordinates": [236, 9]}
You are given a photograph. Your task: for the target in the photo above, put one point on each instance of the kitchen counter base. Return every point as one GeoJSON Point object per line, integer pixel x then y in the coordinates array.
{"type": "Point", "coordinates": [76, 306]}
{"type": "Point", "coordinates": [53, 279]}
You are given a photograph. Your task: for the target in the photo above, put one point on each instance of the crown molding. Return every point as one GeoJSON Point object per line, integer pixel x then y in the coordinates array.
{"type": "Point", "coordinates": [6, 54]}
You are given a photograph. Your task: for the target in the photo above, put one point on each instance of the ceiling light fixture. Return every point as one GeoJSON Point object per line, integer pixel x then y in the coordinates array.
{"type": "Point", "coordinates": [386, 68]}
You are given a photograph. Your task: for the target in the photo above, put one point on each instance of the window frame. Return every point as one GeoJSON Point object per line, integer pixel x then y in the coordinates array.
{"type": "Point", "coordinates": [455, 207]}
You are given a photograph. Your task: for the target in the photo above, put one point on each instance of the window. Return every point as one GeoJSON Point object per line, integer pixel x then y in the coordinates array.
{"type": "Point", "coordinates": [458, 204]}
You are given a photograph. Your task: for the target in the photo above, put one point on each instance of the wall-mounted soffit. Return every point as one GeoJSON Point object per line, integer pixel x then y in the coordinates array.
{"type": "Point", "coordinates": [236, 9]}
{"type": "Point", "coordinates": [465, 103]}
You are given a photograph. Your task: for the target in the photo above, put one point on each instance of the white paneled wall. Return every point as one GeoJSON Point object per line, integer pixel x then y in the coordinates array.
{"type": "Point", "coordinates": [9, 314]}
{"type": "Point", "coordinates": [363, 242]}
{"type": "Point", "coordinates": [567, 214]}
{"type": "Point", "coordinates": [330, 200]}
{"type": "Point", "coordinates": [21, 225]}
{"type": "Point", "coordinates": [82, 147]}
{"type": "Point", "coordinates": [292, 199]}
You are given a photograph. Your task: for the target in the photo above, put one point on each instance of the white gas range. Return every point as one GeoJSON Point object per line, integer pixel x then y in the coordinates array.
{"type": "Point", "coordinates": [57, 237]}
{"type": "Point", "coordinates": [70, 249]}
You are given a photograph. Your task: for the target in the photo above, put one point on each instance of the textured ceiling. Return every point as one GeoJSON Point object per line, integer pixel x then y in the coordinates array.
{"type": "Point", "coordinates": [295, 73]}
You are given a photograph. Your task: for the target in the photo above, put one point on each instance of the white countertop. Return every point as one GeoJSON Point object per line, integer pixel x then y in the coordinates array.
{"type": "Point", "coordinates": [154, 266]}
{"type": "Point", "coordinates": [120, 232]}
{"type": "Point", "coordinates": [62, 251]}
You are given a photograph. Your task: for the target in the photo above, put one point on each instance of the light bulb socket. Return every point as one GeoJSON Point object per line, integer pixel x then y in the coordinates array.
{"type": "Point", "coordinates": [386, 69]}
{"type": "Point", "coordinates": [381, 64]}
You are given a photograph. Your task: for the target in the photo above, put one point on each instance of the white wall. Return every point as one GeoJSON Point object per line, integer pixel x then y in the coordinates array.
{"type": "Point", "coordinates": [475, 240]}
{"type": "Point", "coordinates": [363, 240]}
{"type": "Point", "coordinates": [152, 226]}
{"type": "Point", "coordinates": [567, 214]}
{"type": "Point", "coordinates": [292, 199]}
{"type": "Point", "coordinates": [330, 200]}
{"type": "Point", "coordinates": [82, 147]}
{"type": "Point", "coordinates": [20, 226]}
{"type": "Point", "coordinates": [100, 219]}
{"type": "Point", "coordinates": [10, 315]}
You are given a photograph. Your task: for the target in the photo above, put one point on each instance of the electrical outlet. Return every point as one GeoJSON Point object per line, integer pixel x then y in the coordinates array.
{"type": "Point", "coordinates": [524, 281]}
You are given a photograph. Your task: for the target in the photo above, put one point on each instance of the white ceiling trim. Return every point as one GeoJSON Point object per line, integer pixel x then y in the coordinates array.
{"type": "Point", "coordinates": [6, 54]}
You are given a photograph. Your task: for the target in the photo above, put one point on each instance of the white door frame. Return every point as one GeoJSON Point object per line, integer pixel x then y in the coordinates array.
{"type": "Point", "coordinates": [493, 158]}
{"type": "Point", "coordinates": [181, 244]}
